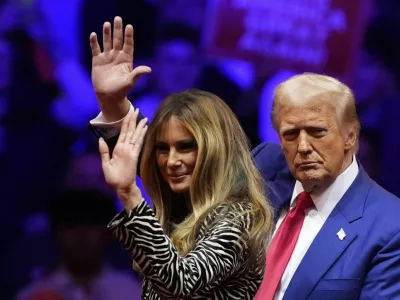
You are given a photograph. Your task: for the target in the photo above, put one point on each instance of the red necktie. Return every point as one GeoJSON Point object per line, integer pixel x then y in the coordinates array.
{"type": "Point", "coordinates": [282, 246]}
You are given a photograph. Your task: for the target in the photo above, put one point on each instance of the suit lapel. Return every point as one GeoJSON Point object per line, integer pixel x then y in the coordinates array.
{"type": "Point", "coordinates": [323, 252]}
{"type": "Point", "coordinates": [327, 247]}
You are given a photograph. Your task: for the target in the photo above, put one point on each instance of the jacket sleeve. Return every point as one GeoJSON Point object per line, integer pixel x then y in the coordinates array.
{"type": "Point", "coordinates": [109, 131]}
{"type": "Point", "coordinates": [218, 254]}
{"type": "Point", "coordinates": [382, 281]}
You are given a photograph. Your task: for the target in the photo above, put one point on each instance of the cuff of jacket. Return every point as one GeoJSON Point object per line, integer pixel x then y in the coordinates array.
{"type": "Point", "coordinates": [125, 218]}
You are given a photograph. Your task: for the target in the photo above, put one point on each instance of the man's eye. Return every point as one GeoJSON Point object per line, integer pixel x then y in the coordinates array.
{"type": "Point", "coordinates": [319, 132]}
{"type": "Point", "coordinates": [290, 133]}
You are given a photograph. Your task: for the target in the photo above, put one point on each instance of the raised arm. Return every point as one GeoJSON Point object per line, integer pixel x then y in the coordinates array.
{"type": "Point", "coordinates": [112, 77]}
{"type": "Point", "coordinates": [112, 69]}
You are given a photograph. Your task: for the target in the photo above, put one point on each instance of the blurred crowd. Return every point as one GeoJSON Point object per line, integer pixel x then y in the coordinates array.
{"type": "Point", "coordinates": [50, 168]}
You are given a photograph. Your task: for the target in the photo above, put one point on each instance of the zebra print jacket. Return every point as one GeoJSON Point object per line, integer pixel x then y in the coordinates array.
{"type": "Point", "coordinates": [217, 267]}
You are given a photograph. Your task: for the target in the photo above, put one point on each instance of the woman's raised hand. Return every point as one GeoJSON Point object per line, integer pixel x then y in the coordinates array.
{"type": "Point", "coordinates": [120, 170]}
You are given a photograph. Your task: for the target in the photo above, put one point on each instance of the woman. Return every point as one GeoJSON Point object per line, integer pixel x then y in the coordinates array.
{"type": "Point", "coordinates": [207, 236]}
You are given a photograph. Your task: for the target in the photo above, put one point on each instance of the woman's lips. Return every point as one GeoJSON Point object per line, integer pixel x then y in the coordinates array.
{"type": "Point", "coordinates": [177, 178]}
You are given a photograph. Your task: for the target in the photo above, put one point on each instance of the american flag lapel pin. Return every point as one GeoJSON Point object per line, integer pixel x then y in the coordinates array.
{"type": "Point", "coordinates": [341, 234]}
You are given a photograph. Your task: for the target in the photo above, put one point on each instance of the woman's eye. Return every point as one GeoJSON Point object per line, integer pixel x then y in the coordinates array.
{"type": "Point", "coordinates": [162, 148]}
{"type": "Point", "coordinates": [188, 146]}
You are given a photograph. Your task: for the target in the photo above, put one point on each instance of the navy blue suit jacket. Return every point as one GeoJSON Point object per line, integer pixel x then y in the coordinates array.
{"type": "Point", "coordinates": [366, 263]}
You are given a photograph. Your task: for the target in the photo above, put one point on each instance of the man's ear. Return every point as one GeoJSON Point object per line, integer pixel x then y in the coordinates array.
{"type": "Point", "coordinates": [351, 137]}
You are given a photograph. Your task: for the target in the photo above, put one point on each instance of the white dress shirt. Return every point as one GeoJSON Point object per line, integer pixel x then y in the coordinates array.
{"type": "Point", "coordinates": [109, 129]}
{"type": "Point", "coordinates": [314, 220]}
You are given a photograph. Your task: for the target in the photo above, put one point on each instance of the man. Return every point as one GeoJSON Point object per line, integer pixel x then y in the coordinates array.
{"type": "Point", "coordinates": [338, 232]}
{"type": "Point", "coordinates": [347, 245]}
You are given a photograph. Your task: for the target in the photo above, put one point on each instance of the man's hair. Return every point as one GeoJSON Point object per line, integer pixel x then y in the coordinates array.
{"type": "Point", "coordinates": [306, 87]}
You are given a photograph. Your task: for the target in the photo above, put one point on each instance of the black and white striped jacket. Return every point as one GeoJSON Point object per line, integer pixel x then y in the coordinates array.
{"type": "Point", "coordinates": [217, 267]}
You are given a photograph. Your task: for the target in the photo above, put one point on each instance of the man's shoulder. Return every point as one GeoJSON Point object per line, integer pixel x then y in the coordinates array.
{"type": "Point", "coordinates": [382, 201]}
{"type": "Point", "coordinates": [270, 160]}
{"type": "Point", "coordinates": [381, 214]}
{"type": "Point", "coordinates": [267, 148]}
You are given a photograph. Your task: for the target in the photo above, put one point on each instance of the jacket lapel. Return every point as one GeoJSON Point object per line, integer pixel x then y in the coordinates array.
{"type": "Point", "coordinates": [327, 246]}
{"type": "Point", "coordinates": [323, 252]}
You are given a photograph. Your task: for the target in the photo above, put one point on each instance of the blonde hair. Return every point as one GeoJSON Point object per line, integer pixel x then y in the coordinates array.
{"type": "Point", "coordinates": [224, 172]}
{"type": "Point", "coordinates": [301, 89]}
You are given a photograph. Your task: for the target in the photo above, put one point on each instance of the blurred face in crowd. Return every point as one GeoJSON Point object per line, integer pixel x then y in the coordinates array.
{"type": "Point", "coordinates": [178, 66]}
{"type": "Point", "coordinates": [314, 144]}
{"type": "Point", "coordinates": [371, 79]}
{"type": "Point", "coordinates": [85, 172]}
{"type": "Point", "coordinates": [82, 247]}
{"type": "Point", "coordinates": [176, 154]}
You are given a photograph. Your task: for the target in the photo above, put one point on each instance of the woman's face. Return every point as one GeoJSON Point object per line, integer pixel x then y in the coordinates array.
{"type": "Point", "coordinates": [176, 154]}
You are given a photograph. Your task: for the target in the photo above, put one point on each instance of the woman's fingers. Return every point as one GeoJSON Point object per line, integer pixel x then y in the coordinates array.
{"type": "Point", "coordinates": [136, 133]}
{"type": "Point", "coordinates": [139, 141]}
{"type": "Point", "coordinates": [124, 128]}
{"type": "Point", "coordinates": [131, 127]}
{"type": "Point", "coordinates": [104, 151]}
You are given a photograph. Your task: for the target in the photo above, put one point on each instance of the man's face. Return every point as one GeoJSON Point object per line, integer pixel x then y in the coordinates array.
{"type": "Point", "coordinates": [82, 245]}
{"type": "Point", "coordinates": [313, 144]}
{"type": "Point", "coordinates": [86, 172]}
{"type": "Point", "coordinates": [370, 79]}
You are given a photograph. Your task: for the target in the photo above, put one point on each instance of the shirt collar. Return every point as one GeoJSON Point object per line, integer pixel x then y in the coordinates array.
{"type": "Point", "coordinates": [327, 201]}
